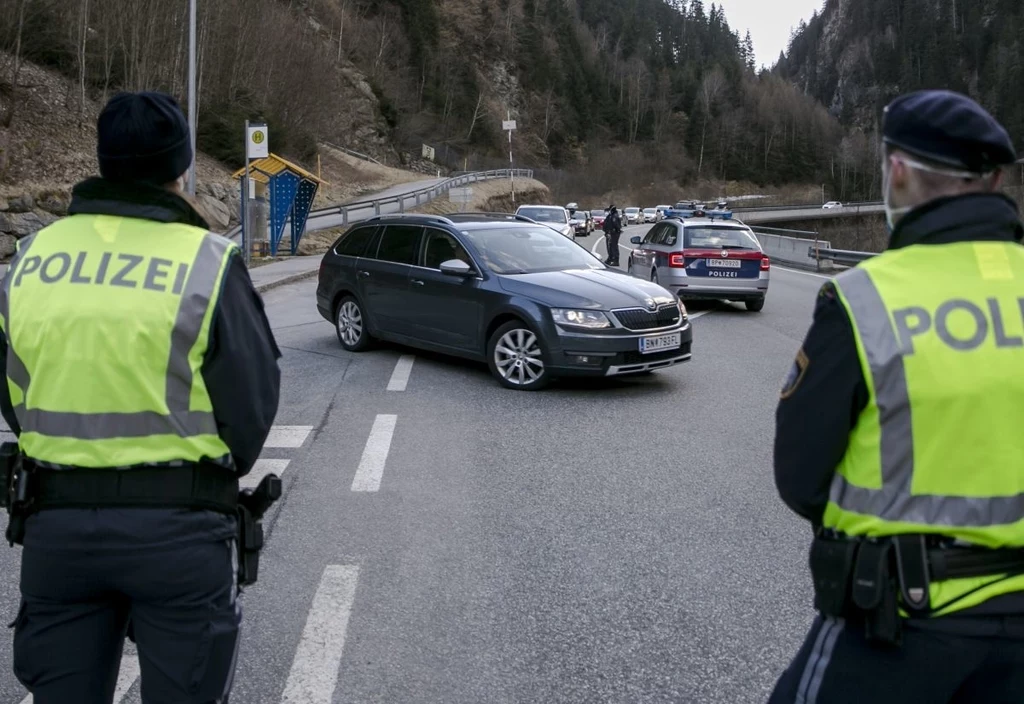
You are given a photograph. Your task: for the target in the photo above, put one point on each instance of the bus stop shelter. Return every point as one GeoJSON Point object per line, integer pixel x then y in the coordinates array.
{"type": "Point", "coordinates": [290, 191]}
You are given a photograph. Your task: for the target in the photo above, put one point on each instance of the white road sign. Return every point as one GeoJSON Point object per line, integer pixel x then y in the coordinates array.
{"type": "Point", "coordinates": [259, 142]}
{"type": "Point", "coordinates": [460, 195]}
{"type": "Point", "coordinates": [508, 125]}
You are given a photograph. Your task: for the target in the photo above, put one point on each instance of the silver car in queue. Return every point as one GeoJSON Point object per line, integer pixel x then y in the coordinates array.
{"type": "Point", "coordinates": [703, 258]}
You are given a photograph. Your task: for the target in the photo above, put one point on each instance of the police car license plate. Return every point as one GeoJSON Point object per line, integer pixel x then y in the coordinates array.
{"type": "Point", "coordinates": [660, 343]}
{"type": "Point", "coordinates": [724, 263]}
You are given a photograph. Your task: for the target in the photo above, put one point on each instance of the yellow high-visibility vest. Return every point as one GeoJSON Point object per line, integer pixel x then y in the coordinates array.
{"type": "Point", "coordinates": [939, 449]}
{"type": "Point", "coordinates": [107, 321]}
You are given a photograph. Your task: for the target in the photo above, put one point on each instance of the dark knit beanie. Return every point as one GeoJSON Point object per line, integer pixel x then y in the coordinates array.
{"type": "Point", "coordinates": [143, 137]}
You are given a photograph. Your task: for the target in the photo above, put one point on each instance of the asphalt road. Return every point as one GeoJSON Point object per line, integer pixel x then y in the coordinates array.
{"type": "Point", "coordinates": [444, 540]}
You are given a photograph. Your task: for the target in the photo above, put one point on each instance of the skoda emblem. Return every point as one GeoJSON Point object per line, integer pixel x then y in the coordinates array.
{"type": "Point", "coordinates": [651, 304]}
{"type": "Point", "coordinates": [725, 252]}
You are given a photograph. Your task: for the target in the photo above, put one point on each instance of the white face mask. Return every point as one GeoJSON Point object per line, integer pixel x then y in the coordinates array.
{"type": "Point", "coordinates": [893, 214]}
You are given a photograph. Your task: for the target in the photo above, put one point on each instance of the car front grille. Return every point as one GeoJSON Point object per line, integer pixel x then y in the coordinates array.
{"type": "Point", "coordinates": [642, 319]}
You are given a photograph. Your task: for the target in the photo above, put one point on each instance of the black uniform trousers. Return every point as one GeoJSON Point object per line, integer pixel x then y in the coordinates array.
{"type": "Point", "coordinates": [836, 665]}
{"type": "Point", "coordinates": [172, 572]}
{"type": "Point", "coordinates": [613, 247]}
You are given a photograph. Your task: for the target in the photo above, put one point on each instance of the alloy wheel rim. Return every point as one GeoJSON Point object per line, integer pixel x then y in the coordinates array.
{"type": "Point", "coordinates": [350, 323]}
{"type": "Point", "coordinates": [518, 357]}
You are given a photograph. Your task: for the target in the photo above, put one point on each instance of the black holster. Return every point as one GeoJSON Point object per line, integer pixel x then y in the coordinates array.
{"type": "Point", "coordinates": [16, 493]}
{"type": "Point", "coordinates": [252, 504]}
{"type": "Point", "coordinates": [854, 579]}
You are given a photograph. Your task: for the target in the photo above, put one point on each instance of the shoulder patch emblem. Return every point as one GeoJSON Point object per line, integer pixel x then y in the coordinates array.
{"type": "Point", "coordinates": [796, 374]}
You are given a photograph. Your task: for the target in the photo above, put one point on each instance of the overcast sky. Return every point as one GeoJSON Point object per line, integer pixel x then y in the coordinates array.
{"type": "Point", "coordinates": [769, 22]}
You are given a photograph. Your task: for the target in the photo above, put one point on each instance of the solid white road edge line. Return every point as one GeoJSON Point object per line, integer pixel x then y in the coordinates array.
{"type": "Point", "coordinates": [375, 454]}
{"type": "Point", "coordinates": [125, 677]}
{"type": "Point", "coordinates": [400, 377]}
{"type": "Point", "coordinates": [261, 469]}
{"type": "Point", "coordinates": [314, 673]}
{"type": "Point", "coordinates": [799, 271]}
{"type": "Point", "coordinates": [288, 435]}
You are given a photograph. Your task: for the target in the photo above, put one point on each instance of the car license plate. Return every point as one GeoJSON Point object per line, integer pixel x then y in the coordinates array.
{"type": "Point", "coordinates": [724, 263]}
{"type": "Point", "coordinates": [659, 343]}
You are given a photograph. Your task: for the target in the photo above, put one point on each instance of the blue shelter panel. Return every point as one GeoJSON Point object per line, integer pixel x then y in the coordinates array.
{"type": "Point", "coordinates": [303, 202]}
{"type": "Point", "coordinates": [283, 188]}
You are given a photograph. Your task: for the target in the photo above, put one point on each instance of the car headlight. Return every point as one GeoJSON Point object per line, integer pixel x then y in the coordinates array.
{"type": "Point", "coordinates": [682, 308]}
{"type": "Point", "coordinates": [590, 319]}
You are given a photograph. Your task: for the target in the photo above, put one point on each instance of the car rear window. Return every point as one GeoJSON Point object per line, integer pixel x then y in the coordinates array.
{"type": "Point", "coordinates": [712, 237]}
{"type": "Point", "coordinates": [354, 243]}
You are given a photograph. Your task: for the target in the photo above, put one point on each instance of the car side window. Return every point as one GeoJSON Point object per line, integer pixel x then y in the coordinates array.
{"type": "Point", "coordinates": [400, 244]}
{"type": "Point", "coordinates": [354, 243]}
{"type": "Point", "coordinates": [671, 236]}
{"type": "Point", "coordinates": [442, 247]}
{"type": "Point", "coordinates": [654, 236]}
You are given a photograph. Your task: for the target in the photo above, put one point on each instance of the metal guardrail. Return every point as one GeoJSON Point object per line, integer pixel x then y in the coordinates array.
{"type": "Point", "coordinates": [353, 152]}
{"type": "Point", "coordinates": [766, 208]}
{"type": "Point", "coordinates": [417, 198]}
{"type": "Point", "coordinates": [845, 257]}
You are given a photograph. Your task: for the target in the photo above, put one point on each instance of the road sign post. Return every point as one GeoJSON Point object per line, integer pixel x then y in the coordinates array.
{"type": "Point", "coordinates": [509, 126]}
{"type": "Point", "coordinates": [192, 117]}
{"type": "Point", "coordinates": [257, 146]}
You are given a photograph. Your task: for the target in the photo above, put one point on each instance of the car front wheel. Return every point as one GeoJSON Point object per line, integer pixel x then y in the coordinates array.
{"type": "Point", "coordinates": [516, 357]}
{"type": "Point", "coordinates": [350, 323]}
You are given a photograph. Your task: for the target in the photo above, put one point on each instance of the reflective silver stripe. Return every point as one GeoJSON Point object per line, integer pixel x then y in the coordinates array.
{"type": "Point", "coordinates": [16, 370]}
{"type": "Point", "coordinates": [828, 647]}
{"type": "Point", "coordinates": [894, 501]}
{"type": "Point", "coordinates": [195, 300]}
{"type": "Point", "coordinates": [105, 426]}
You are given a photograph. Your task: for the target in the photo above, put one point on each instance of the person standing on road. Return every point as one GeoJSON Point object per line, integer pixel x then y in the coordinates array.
{"type": "Point", "coordinates": [899, 432]}
{"type": "Point", "coordinates": [142, 381]}
{"type": "Point", "coordinates": [613, 230]}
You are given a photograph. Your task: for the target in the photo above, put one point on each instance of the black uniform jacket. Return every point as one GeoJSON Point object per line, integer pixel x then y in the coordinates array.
{"type": "Point", "coordinates": [240, 368]}
{"type": "Point", "coordinates": [826, 391]}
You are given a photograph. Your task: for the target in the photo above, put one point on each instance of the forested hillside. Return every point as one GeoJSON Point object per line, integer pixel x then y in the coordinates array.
{"type": "Point", "coordinates": [613, 91]}
{"type": "Point", "coordinates": [856, 55]}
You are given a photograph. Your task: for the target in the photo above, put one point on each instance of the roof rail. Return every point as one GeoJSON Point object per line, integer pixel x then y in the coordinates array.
{"type": "Point", "coordinates": [489, 216]}
{"type": "Point", "coordinates": [402, 216]}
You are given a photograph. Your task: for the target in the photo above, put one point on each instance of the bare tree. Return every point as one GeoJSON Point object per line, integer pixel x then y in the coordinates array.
{"type": "Point", "coordinates": [710, 89]}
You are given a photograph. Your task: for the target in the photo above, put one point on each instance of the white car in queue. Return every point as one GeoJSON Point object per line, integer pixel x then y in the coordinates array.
{"type": "Point", "coordinates": [554, 216]}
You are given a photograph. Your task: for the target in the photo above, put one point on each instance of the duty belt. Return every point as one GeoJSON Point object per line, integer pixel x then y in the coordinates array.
{"type": "Point", "coordinates": [192, 486]}
{"type": "Point", "coordinates": [871, 579]}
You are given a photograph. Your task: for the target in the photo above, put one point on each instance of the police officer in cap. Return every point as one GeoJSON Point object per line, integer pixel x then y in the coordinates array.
{"type": "Point", "coordinates": [900, 438]}
{"type": "Point", "coordinates": [613, 230]}
{"type": "Point", "coordinates": [142, 381]}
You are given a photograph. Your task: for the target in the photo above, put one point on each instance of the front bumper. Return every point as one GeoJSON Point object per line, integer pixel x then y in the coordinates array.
{"type": "Point", "coordinates": [614, 354]}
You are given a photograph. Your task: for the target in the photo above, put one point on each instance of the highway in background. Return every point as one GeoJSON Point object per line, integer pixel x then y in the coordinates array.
{"type": "Point", "coordinates": [444, 540]}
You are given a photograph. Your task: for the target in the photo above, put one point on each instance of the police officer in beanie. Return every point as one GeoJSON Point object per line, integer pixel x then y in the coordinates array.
{"type": "Point", "coordinates": [899, 432]}
{"type": "Point", "coordinates": [142, 381]}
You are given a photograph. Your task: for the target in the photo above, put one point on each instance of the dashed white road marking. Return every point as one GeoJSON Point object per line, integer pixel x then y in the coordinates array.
{"type": "Point", "coordinates": [694, 316]}
{"type": "Point", "coordinates": [314, 673]}
{"type": "Point", "coordinates": [400, 377]}
{"type": "Point", "coordinates": [375, 454]}
{"type": "Point", "coordinates": [288, 435]}
{"type": "Point", "coordinates": [261, 469]}
{"type": "Point", "coordinates": [125, 678]}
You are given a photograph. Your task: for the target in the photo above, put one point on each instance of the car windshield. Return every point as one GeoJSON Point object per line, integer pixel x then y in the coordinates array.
{"type": "Point", "coordinates": [720, 238]}
{"type": "Point", "coordinates": [527, 250]}
{"type": "Point", "coordinates": [544, 214]}
{"type": "Point", "coordinates": [650, 210]}
{"type": "Point", "coordinates": [632, 210]}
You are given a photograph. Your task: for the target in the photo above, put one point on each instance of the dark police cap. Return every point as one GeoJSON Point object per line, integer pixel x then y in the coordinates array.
{"type": "Point", "coordinates": [947, 128]}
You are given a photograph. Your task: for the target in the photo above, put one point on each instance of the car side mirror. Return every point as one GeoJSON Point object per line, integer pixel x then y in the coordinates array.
{"type": "Point", "coordinates": [456, 267]}
{"type": "Point", "coordinates": [635, 240]}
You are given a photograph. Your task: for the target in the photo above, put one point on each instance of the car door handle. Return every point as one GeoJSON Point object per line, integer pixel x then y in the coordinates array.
{"type": "Point", "coordinates": [363, 274]}
{"type": "Point", "coordinates": [417, 282]}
